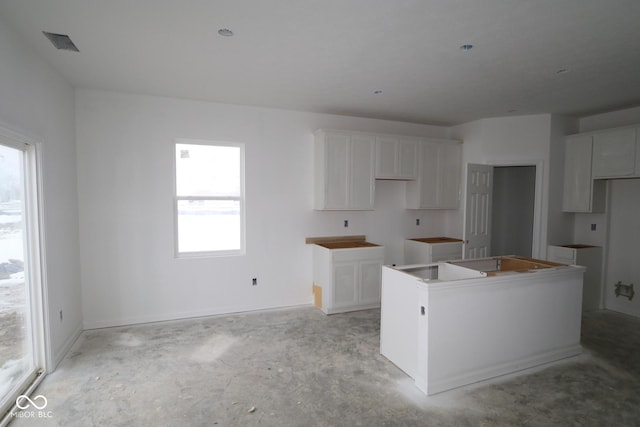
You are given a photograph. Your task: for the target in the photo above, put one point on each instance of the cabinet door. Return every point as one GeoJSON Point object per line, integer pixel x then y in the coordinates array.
{"type": "Point", "coordinates": [449, 170]}
{"type": "Point", "coordinates": [337, 158]}
{"type": "Point", "coordinates": [446, 251]}
{"type": "Point", "coordinates": [407, 159]}
{"type": "Point", "coordinates": [577, 174]}
{"type": "Point", "coordinates": [614, 153]}
{"type": "Point", "coordinates": [429, 175]}
{"type": "Point", "coordinates": [370, 282]}
{"type": "Point", "coordinates": [386, 157]}
{"type": "Point", "coordinates": [361, 189]}
{"type": "Point", "coordinates": [345, 290]}
{"type": "Point", "coordinates": [438, 183]}
{"type": "Point", "coordinates": [396, 158]}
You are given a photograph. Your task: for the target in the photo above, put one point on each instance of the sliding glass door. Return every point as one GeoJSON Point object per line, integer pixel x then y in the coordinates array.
{"type": "Point", "coordinates": [17, 338]}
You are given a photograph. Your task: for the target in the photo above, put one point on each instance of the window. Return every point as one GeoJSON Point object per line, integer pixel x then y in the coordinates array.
{"type": "Point", "coordinates": [209, 198]}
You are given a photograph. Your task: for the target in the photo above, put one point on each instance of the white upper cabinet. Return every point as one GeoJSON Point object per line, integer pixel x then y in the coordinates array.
{"type": "Point", "coordinates": [614, 153]}
{"type": "Point", "coordinates": [396, 157]}
{"type": "Point", "coordinates": [581, 194]}
{"type": "Point", "coordinates": [438, 182]}
{"type": "Point", "coordinates": [344, 171]}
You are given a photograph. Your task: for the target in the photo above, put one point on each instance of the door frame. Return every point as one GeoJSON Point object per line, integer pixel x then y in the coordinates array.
{"type": "Point", "coordinates": [41, 332]}
{"type": "Point", "coordinates": [539, 220]}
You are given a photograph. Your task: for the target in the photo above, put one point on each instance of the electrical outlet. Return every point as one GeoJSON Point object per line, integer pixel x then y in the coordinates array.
{"type": "Point", "coordinates": [254, 281]}
{"type": "Point", "coordinates": [593, 227]}
{"type": "Point", "coordinates": [346, 222]}
{"type": "Point", "coordinates": [417, 221]}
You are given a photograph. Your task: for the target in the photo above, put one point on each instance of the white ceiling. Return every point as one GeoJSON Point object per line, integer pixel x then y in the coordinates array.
{"type": "Point", "coordinates": [331, 55]}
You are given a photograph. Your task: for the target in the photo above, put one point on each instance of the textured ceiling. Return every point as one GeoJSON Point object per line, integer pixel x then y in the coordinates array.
{"type": "Point", "coordinates": [331, 56]}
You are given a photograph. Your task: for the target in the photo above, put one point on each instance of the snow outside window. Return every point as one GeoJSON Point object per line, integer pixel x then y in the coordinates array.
{"type": "Point", "coordinates": [209, 198]}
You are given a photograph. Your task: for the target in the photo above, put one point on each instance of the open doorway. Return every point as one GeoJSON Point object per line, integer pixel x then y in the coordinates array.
{"type": "Point", "coordinates": [502, 213]}
{"type": "Point", "coordinates": [513, 206]}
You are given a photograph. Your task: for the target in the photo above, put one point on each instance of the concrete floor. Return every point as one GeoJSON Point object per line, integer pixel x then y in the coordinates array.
{"type": "Point", "coordinates": [298, 367]}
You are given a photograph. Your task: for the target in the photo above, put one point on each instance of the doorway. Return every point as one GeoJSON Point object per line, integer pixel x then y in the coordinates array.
{"type": "Point", "coordinates": [513, 206]}
{"type": "Point", "coordinates": [21, 338]}
{"type": "Point", "coordinates": [502, 210]}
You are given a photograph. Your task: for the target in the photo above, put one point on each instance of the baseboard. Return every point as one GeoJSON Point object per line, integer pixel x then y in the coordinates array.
{"type": "Point", "coordinates": [181, 316]}
{"type": "Point", "coordinates": [498, 370]}
{"type": "Point", "coordinates": [64, 349]}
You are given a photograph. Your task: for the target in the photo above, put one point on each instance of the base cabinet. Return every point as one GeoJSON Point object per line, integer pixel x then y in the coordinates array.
{"type": "Point", "coordinates": [347, 279]}
{"type": "Point", "coordinates": [450, 332]}
{"type": "Point", "coordinates": [589, 257]}
{"type": "Point", "coordinates": [422, 251]}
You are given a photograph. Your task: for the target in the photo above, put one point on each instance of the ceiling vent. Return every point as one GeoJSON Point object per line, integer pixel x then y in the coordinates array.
{"type": "Point", "coordinates": [61, 41]}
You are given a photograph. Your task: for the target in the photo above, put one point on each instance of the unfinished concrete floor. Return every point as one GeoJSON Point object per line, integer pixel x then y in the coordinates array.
{"type": "Point", "coordinates": [298, 367]}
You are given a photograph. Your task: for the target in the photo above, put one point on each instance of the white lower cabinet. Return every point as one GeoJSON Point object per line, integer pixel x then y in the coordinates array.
{"type": "Point", "coordinates": [589, 257]}
{"type": "Point", "coordinates": [431, 249]}
{"type": "Point", "coordinates": [347, 279]}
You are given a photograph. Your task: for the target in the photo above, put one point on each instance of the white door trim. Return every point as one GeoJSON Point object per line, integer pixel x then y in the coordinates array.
{"type": "Point", "coordinates": [538, 250]}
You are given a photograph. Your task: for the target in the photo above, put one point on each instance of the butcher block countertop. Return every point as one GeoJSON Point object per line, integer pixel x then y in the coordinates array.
{"type": "Point", "coordinates": [346, 245]}
{"type": "Point", "coordinates": [436, 240]}
{"type": "Point", "coordinates": [340, 242]}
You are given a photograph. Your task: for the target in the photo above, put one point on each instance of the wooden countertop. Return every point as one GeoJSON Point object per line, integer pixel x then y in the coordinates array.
{"type": "Point", "coordinates": [437, 240]}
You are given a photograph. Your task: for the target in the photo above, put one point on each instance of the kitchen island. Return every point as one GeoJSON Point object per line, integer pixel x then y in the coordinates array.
{"type": "Point", "coordinates": [454, 323]}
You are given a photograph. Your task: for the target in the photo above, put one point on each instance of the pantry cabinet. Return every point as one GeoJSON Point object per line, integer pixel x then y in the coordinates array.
{"type": "Point", "coordinates": [396, 158]}
{"type": "Point", "coordinates": [614, 154]}
{"type": "Point", "coordinates": [344, 165]}
{"type": "Point", "coordinates": [581, 192]}
{"type": "Point", "coordinates": [438, 182]}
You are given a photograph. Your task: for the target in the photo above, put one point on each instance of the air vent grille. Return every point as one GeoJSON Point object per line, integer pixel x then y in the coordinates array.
{"type": "Point", "coordinates": [61, 41]}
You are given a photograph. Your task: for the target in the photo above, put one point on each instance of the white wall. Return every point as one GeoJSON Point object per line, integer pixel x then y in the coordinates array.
{"type": "Point", "coordinates": [36, 102]}
{"type": "Point", "coordinates": [124, 155]}
{"type": "Point", "coordinates": [523, 140]}
{"type": "Point", "coordinates": [624, 234]}
{"type": "Point", "coordinates": [617, 228]}
{"type": "Point", "coordinates": [629, 116]}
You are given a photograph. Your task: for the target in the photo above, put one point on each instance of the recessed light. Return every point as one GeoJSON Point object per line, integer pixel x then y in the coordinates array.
{"type": "Point", "coordinates": [466, 47]}
{"type": "Point", "coordinates": [225, 32]}
{"type": "Point", "coordinates": [377, 92]}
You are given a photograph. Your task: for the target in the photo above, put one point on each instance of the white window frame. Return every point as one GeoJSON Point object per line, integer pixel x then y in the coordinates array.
{"type": "Point", "coordinates": [240, 199]}
{"type": "Point", "coordinates": [34, 228]}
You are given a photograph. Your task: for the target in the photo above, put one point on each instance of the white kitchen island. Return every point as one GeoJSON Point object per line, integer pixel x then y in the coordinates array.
{"type": "Point", "coordinates": [454, 323]}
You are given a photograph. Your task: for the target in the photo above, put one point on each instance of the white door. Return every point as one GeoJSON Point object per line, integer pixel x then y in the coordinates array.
{"type": "Point", "coordinates": [19, 343]}
{"type": "Point", "coordinates": [477, 214]}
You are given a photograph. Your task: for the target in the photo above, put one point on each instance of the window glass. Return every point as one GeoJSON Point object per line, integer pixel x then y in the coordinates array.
{"type": "Point", "coordinates": [209, 198]}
